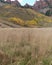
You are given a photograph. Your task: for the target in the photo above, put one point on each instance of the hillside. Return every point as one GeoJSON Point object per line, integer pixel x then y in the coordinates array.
{"type": "Point", "coordinates": [24, 17]}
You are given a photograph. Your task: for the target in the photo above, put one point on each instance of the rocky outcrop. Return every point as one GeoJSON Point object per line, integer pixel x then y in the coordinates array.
{"type": "Point", "coordinates": [41, 4]}
{"type": "Point", "coordinates": [16, 2]}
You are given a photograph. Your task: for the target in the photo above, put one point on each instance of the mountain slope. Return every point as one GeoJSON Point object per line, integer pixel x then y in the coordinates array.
{"type": "Point", "coordinates": [24, 16]}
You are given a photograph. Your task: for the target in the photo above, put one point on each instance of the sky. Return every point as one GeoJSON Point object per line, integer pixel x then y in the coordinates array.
{"type": "Point", "coordinates": [30, 2]}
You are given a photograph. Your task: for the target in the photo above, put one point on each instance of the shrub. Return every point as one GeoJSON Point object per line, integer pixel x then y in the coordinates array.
{"type": "Point", "coordinates": [31, 23]}
{"type": "Point", "coordinates": [16, 20]}
{"type": "Point", "coordinates": [48, 13]}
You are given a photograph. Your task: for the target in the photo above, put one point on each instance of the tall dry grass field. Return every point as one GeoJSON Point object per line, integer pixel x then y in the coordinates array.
{"type": "Point", "coordinates": [24, 46]}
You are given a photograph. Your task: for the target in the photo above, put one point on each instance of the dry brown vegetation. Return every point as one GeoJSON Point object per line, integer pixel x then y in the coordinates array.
{"type": "Point", "coordinates": [26, 46]}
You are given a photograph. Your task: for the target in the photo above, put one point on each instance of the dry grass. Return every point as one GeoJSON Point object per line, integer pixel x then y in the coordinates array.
{"type": "Point", "coordinates": [26, 46]}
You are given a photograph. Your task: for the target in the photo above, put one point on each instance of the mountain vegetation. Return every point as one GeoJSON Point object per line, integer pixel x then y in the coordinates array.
{"type": "Point", "coordinates": [25, 17]}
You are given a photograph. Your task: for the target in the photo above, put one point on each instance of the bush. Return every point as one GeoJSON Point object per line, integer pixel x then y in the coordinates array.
{"type": "Point", "coordinates": [31, 23]}
{"type": "Point", "coordinates": [48, 13]}
{"type": "Point", "coordinates": [16, 20]}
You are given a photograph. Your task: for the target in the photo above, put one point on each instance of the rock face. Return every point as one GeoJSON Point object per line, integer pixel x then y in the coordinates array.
{"type": "Point", "coordinates": [27, 6]}
{"type": "Point", "coordinates": [41, 4]}
{"type": "Point", "coordinates": [16, 2]}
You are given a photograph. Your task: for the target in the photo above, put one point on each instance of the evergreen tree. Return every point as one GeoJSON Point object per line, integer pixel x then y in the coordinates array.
{"type": "Point", "coordinates": [50, 6]}
{"type": "Point", "coordinates": [2, 0]}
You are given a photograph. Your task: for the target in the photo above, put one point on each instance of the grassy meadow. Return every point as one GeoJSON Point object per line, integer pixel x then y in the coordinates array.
{"type": "Point", "coordinates": [26, 46]}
